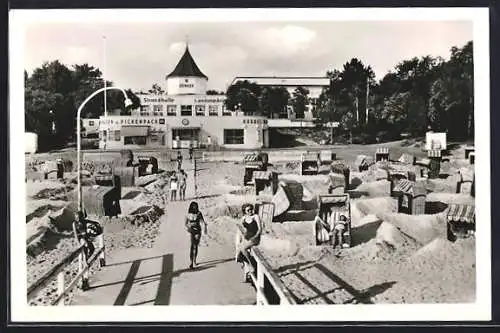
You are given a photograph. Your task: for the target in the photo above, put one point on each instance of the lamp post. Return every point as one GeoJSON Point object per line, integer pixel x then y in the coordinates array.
{"type": "Point", "coordinates": [52, 122]}
{"type": "Point", "coordinates": [128, 102]}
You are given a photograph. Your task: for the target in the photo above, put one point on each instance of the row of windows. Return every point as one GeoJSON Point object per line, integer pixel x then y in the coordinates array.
{"type": "Point", "coordinates": [186, 110]}
{"type": "Point", "coordinates": [110, 135]}
{"type": "Point", "coordinates": [234, 137]}
{"type": "Point", "coordinates": [231, 136]}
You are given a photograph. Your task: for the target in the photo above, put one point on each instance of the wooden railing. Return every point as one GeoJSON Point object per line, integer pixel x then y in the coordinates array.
{"type": "Point", "coordinates": [58, 270]}
{"type": "Point", "coordinates": [269, 287]}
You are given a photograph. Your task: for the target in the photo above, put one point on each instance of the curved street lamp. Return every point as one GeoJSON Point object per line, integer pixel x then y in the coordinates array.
{"type": "Point", "coordinates": [128, 102]}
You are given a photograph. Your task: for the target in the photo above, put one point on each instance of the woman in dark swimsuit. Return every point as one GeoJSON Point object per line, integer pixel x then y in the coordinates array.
{"type": "Point", "coordinates": [193, 221]}
{"type": "Point", "coordinates": [251, 225]}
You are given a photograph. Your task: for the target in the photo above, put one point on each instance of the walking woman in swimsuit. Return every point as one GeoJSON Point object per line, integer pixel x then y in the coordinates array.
{"type": "Point", "coordinates": [193, 221]}
{"type": "Point", "coordinates": [251, 225]}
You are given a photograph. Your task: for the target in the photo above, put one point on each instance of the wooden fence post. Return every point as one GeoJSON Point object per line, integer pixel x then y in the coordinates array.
{"type": "Point", "coordinates": [260, 284]}
{"type": "Point", "coordinates": [102, 256]}
{"type": "Point", "coordinates": [60, 287]}
{"type": "Point", "coordinates": [82, 265]}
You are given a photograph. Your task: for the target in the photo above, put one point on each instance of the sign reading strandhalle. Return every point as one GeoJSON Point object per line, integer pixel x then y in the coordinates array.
{"type": "Point", "coordinates": [173, 100]}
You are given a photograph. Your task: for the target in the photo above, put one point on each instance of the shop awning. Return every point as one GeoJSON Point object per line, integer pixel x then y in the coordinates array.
{"type": "Point", "coordinates": [434, 153]}
{"type": "Point", "coordinates": [250, 158]}
{"type": "Point", "coordinates": [462, 213]}
{"type": "Point", "coordinates": [135, 130]}
{"type": "Point", "coordinates": [382, 150]}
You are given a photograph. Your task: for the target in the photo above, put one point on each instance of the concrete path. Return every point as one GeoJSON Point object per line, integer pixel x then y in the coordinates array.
{"type": "Point", "coordinates": [161, 276]}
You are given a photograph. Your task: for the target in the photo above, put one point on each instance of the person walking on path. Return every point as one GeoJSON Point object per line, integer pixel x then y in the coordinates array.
{"type": "Point", "coordinates": [251, 224]}
{"type": "Point", "coordinates": [182, 184]}
{"type": "Point", "coordinates": [179, 160]}
{"type": "Point", "coordinates": [209, 143]}
{"type": "Point", "coordinates": [191, 150]}
{"type": "Point", "coordinates": [193, 222]}
{"type": "Point", "coordinates": [174, 184]}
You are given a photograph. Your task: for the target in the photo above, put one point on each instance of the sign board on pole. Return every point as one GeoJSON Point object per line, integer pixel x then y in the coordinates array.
{"type": "Point", "coordinates": [435, 140]}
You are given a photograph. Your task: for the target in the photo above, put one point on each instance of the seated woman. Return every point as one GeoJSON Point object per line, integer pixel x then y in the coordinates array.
{"type": "Point", "coordinates": [339, 227]}
{"type": "Point", "coordinates": [332, 229]}
{"type": "Point", "coordinates": [251, 225]}
{"type": "Point", "coordinates": [86, 232]}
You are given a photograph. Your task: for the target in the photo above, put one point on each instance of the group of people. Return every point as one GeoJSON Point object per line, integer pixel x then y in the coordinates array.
{"type": "Point", "coordinates": [178, 182]}
{"type": "Point", "coordinates": [195, 224]}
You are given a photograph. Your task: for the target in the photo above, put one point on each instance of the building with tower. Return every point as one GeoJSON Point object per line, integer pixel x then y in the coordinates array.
{"type": "Point", "coordinates": [185, 116]}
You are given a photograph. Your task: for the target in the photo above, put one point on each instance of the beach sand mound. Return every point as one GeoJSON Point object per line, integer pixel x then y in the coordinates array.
{"type": "Point", "coordinates": [379, 188]}
{"type": "Point", "coordinates": [229, 205]}
{"type": "Point", "coordinates": [422, 228]}
{"type": "Point", "coordinates": [368, 206]}
{"type": "Point", "coordinates": [390, 239]}
{"type": "Point", "coordinates": [440, 271]}
{"type": "Point", "coordinates": [44, 233]}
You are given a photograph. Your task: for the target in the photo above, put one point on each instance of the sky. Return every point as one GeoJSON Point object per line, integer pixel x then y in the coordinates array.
{"type": "Point", "coordinates": [139, 54]}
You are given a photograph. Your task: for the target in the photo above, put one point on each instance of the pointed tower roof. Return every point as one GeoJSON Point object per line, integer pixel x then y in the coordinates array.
{"type": "Point", "coordinates": [187, 67]}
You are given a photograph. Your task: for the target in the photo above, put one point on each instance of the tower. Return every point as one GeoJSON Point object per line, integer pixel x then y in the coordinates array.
{"type": "Point", "coordinates": [186, 78]}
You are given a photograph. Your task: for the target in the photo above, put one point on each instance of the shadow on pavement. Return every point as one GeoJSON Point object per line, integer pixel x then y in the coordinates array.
{"type": "Point", "coordinates": [131, 261]}
{"type": "Point", "coordinates": [215, 261]}
{"type": "Point", "coordinates": [164, 289]}
{"type": "Point", "coordinates": [127, 285]}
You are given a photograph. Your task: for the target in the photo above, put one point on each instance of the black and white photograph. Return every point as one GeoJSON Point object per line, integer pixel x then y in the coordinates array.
{"type": "Point", "coordinates": [324, 160]}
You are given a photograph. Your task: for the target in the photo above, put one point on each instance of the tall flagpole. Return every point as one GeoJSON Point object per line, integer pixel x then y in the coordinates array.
{"type": "Point", "coordinates": [104, 75]}
{"type": "Point", "coordinates": [367, 95]}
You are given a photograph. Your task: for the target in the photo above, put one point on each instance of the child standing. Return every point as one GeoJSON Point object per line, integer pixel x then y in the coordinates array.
{"type": "Point", "coordinates": [173, 187]}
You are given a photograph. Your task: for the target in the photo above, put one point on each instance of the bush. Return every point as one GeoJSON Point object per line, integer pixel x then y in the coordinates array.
{"type": "Point", "coordinates": [384, 136]}
{"type": "Point", "coordinates": [363, 139]}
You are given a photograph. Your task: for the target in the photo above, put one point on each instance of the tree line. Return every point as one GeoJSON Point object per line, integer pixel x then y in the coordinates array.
{"type": "Point", "coordinates": [53, 94]}
{"type": "Point", "coordinates": [417, 95]}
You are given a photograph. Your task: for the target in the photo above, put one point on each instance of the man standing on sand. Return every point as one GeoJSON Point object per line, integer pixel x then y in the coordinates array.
{"type": "Point", "coordinates": [182, 184]}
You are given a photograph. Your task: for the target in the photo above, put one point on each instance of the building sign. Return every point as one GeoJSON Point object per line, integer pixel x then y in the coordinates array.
{"type": "Point", "coordinates": [254, 121]}
{"type": "Point", "coordinates": [209, 100]}
{"type": "Point", "coordinates": [435, 140]}
{"type": "Point", "coordinates": [185, 122]}
{"type": "Point", "coordinates": [186, 85]}
{"type": "Point", "coordinates": [200, 100]}
{"type": "Point", "coordinates": [158, 100]}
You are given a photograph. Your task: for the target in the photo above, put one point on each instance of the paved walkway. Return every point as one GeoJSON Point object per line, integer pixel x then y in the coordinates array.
{"type": "Point", "coordinates": [160, 276]}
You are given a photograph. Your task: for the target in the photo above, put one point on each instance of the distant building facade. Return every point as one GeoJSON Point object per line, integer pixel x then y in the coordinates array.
{"type": "Point", "coordinates": [314, 85]}
{"type": "Point", "coordinates": [185, 116]}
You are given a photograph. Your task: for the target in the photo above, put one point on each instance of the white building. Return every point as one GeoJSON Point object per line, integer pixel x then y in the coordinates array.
{"type": "Point", "coordinates": [314, 84]}
{"type": "Point", "coordinates": [185, 116]}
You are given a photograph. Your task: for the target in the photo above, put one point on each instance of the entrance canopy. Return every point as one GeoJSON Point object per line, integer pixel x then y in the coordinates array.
{"type": "Point", "coordinates": [135, 130]}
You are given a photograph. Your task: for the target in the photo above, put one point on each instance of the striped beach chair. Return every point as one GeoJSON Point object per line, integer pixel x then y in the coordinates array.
{"type": "Point", "coordinates": [382, 154]}
{"type": "Point", "coordinates": [461, 220]}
